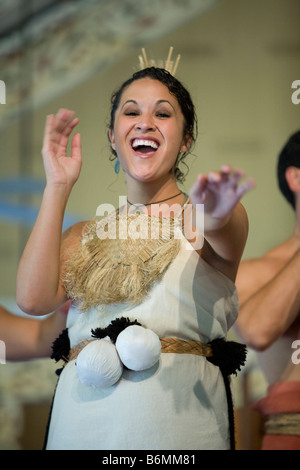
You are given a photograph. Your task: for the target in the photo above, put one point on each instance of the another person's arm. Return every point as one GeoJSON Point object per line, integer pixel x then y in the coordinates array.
{"type": "Point", "coordinates": [29, 338]}
{"type": "Point", "coordinates": [269, 303]}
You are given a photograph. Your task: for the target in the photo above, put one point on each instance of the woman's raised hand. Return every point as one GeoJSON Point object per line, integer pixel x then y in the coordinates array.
{"type": "Point", "coordinates": [60, 169]}
{"type": "Point", "coordinates": [220, 191]}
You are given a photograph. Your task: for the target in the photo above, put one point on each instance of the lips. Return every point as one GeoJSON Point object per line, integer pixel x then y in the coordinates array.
{"type": "Point", "coordinates": [144, 146]}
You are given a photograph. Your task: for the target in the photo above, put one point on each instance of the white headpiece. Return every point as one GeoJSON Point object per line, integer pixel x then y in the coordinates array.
{"type": "Point", "coordinates": [168, 65]}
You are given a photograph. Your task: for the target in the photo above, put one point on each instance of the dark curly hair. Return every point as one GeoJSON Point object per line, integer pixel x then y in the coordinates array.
{"type": "Point", "coordinates": [289, 156]}
{"type": "Point", "coordinates": [185, 102]}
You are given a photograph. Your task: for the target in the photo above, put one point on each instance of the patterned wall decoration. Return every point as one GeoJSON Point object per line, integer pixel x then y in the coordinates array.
{"type": "Point", "coordinates": [48, 46]}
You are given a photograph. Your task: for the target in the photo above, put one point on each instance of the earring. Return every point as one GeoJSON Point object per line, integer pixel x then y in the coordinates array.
{"type": "Point", "coordinates": [117, 165]}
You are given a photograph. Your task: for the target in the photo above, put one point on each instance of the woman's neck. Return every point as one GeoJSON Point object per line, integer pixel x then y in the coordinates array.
{"type": "Point", "coordinates": [151, 193]}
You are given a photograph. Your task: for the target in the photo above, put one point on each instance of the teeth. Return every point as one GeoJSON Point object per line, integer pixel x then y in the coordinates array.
{"type": "Point", "coordinates": [145, 143]}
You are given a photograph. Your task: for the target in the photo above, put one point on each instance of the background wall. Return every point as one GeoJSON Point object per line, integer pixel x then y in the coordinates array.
{"type": "Point", "coordinates": [239, 59]}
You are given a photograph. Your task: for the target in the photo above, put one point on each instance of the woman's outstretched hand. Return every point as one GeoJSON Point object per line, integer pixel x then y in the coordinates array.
{"type": "Point", "coordinates": [60, 169]}
{"type": "Point", "coordinates": [219, 192]}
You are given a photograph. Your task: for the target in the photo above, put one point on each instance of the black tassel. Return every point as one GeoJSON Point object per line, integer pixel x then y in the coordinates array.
{"type": "Point", "coordinates": [114, 328]}
{"type": "Point", "coordinates": [230, 411]}
{"type": "Point", "coordinates": [61, 347]}
{"type": "Point", "coordinates": [228, 355]}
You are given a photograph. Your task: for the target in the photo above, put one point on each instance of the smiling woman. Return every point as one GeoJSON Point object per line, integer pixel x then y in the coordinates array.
{"type": "Point", "coordinates": [173, 101]}
{"type": "Point", "coordinates": [184, 294]}
{"type": "Point", "coordinates": [148, 134]}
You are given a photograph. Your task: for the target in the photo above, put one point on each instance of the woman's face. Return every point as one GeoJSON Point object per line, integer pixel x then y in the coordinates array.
{"type": "Point", "coordinates": [148, 130]}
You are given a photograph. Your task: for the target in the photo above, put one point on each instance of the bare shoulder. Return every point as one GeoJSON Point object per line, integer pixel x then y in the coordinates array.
{"type": "Point", "coordinates": [75, 231]}
{"type": "Point", "coordinates": [72, 236]}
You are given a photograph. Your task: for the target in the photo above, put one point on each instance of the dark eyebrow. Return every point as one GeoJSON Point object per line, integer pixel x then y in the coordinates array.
{"type": "Point", "coordinates": [158, 102]}
{"type": "Point", "coordinates": [129, 101]}
{"type": "Point", "coordinates": [166, 101]}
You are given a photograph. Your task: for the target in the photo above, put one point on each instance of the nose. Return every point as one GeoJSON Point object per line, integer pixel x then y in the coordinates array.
{"type": "Point", "coordinates": [145, 123]}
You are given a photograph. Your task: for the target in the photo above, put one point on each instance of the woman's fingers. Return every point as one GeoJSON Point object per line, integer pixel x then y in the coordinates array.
{"type": "Point", "coordinates": [214, 177]}
{"type": "Point", "coordinates": [76, 147]}
{"type": "Point", "coordinates": [62, 118]}
{"type": "Point", "coordinates": [244, 187]}
{"type": "Point", "coordinates": [224, 184]}
{"type": "Point", "coordinates": [63, 138]}
{"type": "Point", "coordinates": [58, 129]}
{"type": "Point", "coordinates": [229, 178]}
{"type": "Point", "coordinates": [48, 132]}
{"type": "Point", "coordinates": [240, 187]}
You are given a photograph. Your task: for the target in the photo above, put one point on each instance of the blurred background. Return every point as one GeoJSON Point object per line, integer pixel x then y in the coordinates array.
{"type": "Point", "coordinates": [239, 59]}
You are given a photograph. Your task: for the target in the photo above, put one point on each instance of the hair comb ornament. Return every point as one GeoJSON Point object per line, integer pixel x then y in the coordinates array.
{"type": "Point", "coordinates": [168, 65]}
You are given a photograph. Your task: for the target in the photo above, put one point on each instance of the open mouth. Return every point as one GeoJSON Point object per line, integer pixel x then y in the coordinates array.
{"type": "Point", "coordinates": [144, 146]}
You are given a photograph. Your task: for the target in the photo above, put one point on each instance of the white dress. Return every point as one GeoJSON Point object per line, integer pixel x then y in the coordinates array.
{"type": "Point", "coordinates": [180, 403]}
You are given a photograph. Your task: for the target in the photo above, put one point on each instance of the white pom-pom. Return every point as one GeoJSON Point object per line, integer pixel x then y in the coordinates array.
{"type": "Point", "coordinates": [138, 347]}
{"type": "Point", "coordinates": [98, 364]}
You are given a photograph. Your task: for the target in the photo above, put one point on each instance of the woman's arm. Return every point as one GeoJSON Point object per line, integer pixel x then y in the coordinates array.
{"type": "Point", "coordinates": [39, 289]}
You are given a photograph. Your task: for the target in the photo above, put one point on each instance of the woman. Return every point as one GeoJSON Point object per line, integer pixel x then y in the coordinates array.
{"type": "Point", "coordinates": [179, 402]}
